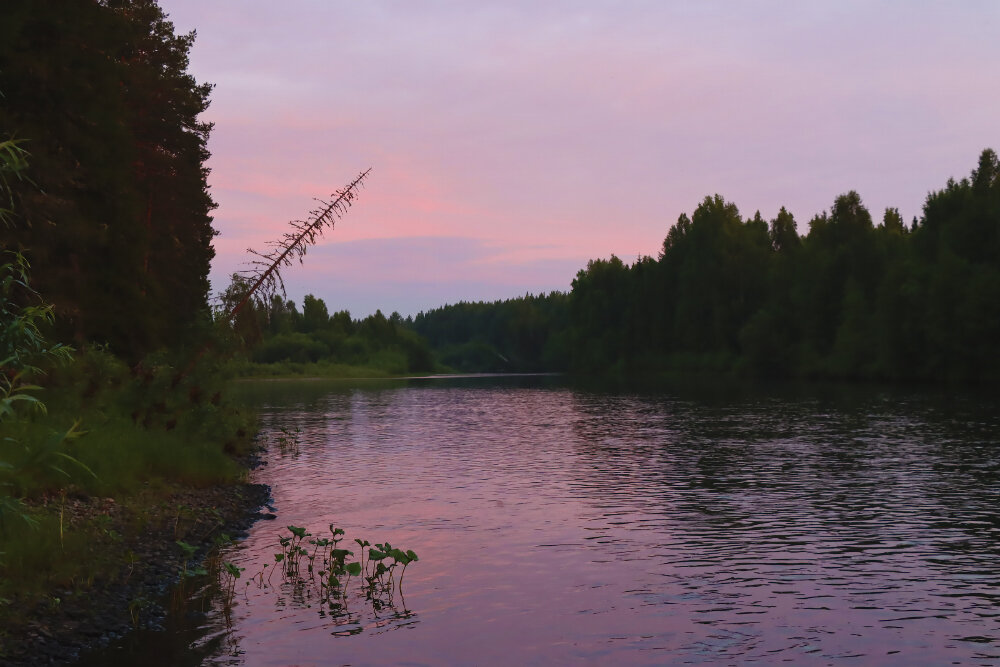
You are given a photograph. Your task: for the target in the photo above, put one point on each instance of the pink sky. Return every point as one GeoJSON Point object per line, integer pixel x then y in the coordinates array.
{"type": "Point", "coordinates": [513, 141]}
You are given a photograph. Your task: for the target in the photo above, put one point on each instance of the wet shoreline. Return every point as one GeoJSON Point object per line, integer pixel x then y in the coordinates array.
{"type": "Point", "coordinates": [107, 610]}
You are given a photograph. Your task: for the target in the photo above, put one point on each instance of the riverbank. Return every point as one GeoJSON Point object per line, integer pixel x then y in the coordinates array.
{"type": "Point", "coordinates": [98, 488]}
{"type": "Point", "coordinates": [133, 561]}
{"type": "Point", "coordinates": [248, 370]}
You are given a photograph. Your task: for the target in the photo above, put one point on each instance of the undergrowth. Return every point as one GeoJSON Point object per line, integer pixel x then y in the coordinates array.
{"type": "Point", "coordinates": [84, 477]}
{"type": "Point", "coordinates": [321, 369]}
{"type": "Point", "coordinates": [124, 429]}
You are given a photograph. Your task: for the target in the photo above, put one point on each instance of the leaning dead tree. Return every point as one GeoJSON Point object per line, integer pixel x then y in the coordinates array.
{"type": "Point", "coordinates": [264, 273]}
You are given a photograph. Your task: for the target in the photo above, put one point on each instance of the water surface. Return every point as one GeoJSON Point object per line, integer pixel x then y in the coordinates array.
{"type": "Point", "coordinates": [559, 525]}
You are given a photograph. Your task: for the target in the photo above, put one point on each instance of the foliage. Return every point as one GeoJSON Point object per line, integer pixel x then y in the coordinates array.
{"type": "Point", "coordinates": [140, 432]}
{"type": "Point", "coordinates": [22, 349]}
{"type": "Point", "coordinates": [848, 300]}
{"type": "Point", "coordinates": [13, 162]}
{"type": "Point", "coordinates": [22, 343]}
{"type": "Point", "coordinates": [117, 214]}
{"type": "Point", "coordinates": [526, 334]}
{"type": "Point", "coordinates": [321, 563]}
{"type": "Point", "coordinates": [287, 337]}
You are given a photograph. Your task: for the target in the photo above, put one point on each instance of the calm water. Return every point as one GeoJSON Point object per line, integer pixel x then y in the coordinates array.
{"type": "Point", "coordinates": [559, 525]}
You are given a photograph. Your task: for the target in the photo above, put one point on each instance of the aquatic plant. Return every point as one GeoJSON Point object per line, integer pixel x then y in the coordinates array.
{"type": "Point", "coordinates": [189, 551]}
{"type": "Point", "coordinates": [321, 563]}
{"type": "Point", "coordinates": [287, 440]}
{"type": "Point", "coordinates": [231, 572]}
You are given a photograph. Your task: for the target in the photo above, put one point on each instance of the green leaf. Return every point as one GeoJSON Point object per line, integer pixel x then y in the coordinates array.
{"type": "Point", "coordinates": [189, 550]}
{"type": "Point", "coordinates": [77, 462]}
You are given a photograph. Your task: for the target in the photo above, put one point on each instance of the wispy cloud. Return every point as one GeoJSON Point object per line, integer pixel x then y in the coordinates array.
{"type": "Point", "coordinates": [419, 273]}
{"type": "Point", "coordinates": [585, 127]}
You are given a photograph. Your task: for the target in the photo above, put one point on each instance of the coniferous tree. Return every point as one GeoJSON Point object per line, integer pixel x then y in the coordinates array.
{"type": "Point", "coordinates": [116, 219]}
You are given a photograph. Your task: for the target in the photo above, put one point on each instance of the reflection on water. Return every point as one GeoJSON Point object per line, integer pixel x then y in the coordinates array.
{"type": "Point", "coordinates": [556, 525]}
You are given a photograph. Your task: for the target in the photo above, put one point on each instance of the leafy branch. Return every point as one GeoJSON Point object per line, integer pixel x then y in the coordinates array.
{"type": "Point", "coordinates": [13, 162]}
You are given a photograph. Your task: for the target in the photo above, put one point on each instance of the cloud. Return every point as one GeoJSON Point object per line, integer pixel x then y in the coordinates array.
{"type": "Point", "coordinates": [582, 127]}
{"type": "Point", "coordinates": [418, 273]}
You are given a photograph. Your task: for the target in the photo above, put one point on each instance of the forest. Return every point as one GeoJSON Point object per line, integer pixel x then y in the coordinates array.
{"type": "Point", "coordinates": [114, 216]}
{"type": "Point", "coordinates": [849, 299]}
{"type": "Point", "coordinates": [277, 339]}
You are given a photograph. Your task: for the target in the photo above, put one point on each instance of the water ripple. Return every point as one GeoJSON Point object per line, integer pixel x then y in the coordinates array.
{"type": "Point", "coordinates": [559, 526]}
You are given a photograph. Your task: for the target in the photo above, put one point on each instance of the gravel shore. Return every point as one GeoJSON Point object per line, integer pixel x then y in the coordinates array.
{"type": "Point", "coordinates": [104, 611]}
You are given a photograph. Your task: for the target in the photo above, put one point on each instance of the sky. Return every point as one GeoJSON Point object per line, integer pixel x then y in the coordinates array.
{"type": "Point", "coordinates": [510, 142]}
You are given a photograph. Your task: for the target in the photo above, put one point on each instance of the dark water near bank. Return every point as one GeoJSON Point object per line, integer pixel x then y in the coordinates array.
{"type": "Point", "coordinates": [561, 525]}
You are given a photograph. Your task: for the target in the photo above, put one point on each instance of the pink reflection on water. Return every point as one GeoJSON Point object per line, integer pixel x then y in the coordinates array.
{"type": "Point", "coordinates": [563, 528]}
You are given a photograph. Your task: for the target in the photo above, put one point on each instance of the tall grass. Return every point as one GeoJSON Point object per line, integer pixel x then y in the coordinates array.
{"type": "Point", "coordinates": [111, 437]}
{"type": "Point", "coordinates": [134, 429]}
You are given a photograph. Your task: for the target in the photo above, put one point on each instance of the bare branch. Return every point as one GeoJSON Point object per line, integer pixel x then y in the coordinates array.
{"type": "Point", "coordinates": [265, 274]}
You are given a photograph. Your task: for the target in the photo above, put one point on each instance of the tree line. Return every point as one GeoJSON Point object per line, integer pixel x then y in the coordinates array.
{"type": "Point", "coordinates": [849, 299]}
{"type": "Point", "coordinates": [526, 334]}
{"type": "Point", "coordinates": [279, 332]}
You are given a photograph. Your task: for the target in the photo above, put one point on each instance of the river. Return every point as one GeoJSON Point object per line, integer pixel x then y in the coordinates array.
{"type": "Point", "coordinates": [560, 524]}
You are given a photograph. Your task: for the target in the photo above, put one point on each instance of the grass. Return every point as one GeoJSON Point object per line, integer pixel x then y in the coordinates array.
{"type": "Point", "coordinates": [376, 369]}
{"type": "Point", "coordinates": [81, 480]}
{"type": "Point", "coordinates": [288, 369]}
{"type": "Point", "coordinates": [42, 562]}
{"type": "Point", "coordinates": [129, 433]}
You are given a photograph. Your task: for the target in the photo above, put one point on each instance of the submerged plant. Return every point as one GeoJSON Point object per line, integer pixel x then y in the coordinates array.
{"type": "Point", "coordinates": [288, 440]}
